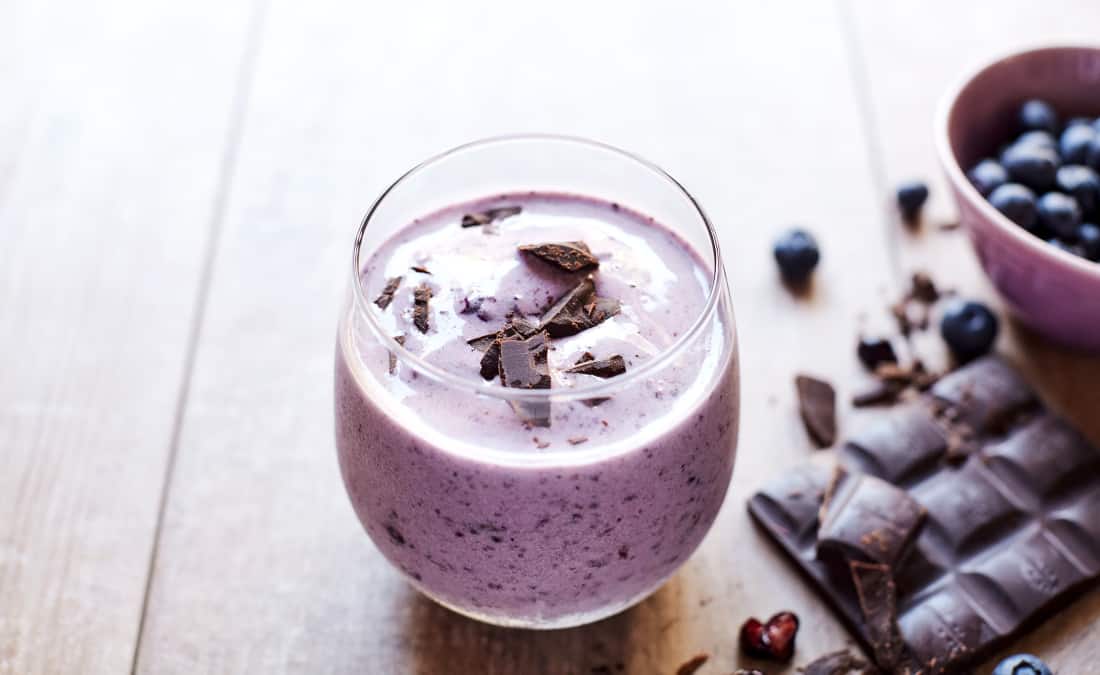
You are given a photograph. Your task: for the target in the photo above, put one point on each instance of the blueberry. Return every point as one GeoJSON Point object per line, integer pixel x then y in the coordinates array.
{"type": "Point", "coordinates": [1074, 121]}
{"type": "Point", "coordinates": [1074, 144]}
{"type": "Point", "coordinates": [1092, 154]}
{"type": "Point", "coordinates": [1022, 664]}
{"type": "Point", "coordinates": [1088, 237]}
{"type": "Point", "coordinates": [1059, 213]}
{"type": "Point", "coordinates": [1017, 203]}
{"type": "Point", "coordinates": [1040, 139]}
{"type": "Point", "coordinates": [969, 329]}
{"type": "Point", "coordinates": [1062, 245]}
{"type": "Point", "coordinates": [911, 196]}
{"type": "Point", "coordinates": [987, 175]}
{"type": "Point", "coordinates": [1032, 165]}
{"type": "Point", "coordinates": [1036, 114]}
{"type": "Point", "coordinates": [797, 254]}
{"type": "Point", "coordinates": [1082, 183]}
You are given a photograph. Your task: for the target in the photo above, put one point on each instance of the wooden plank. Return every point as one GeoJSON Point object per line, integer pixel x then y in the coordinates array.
{"type": "Point", "coordinates": [263, 566]}
{"type": "Point", "coordinates": [909, 52]}
{"type": "Point", "coordinates": [111, 136]}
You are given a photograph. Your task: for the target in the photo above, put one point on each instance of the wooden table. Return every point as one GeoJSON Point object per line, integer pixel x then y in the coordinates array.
{"type": "Point", "coordinates": [179, 186]}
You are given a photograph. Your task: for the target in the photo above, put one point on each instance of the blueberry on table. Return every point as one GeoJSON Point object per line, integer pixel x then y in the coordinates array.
{"type": "Point", "coordinates": [1017, 203]}
{"type": "Point", "coordinates": [1022, 664]}
{"type": "Point", "coordinates": [1032, 165]}
{"type": "Point", "coordinates": [1059, 213]}
{"type": "Point", "coordinates": [1038, 114]}
{"type": "Point", "coordinates": [911, 196]}
{"type": "Point", "coordinates": [1088, 237]}
{"type": "Point", "coordinates": [1081, 183]}
{"type": "Point", "coordinates": [987, 175]}
{"type": "Point", "coordinates": [797, 254]}
{"type": "Point", "coordinates": [969, 328]}
{"type": "Point", "coordinates": [1074, 144]}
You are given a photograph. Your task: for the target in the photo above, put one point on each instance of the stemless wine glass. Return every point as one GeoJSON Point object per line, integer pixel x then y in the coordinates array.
{"type": "Point", "coordinates": [477, 517]}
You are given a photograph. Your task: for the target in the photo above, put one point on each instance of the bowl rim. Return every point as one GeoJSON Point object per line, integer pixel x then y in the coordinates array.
{"type": "Point", "coordinates": [957, 175]}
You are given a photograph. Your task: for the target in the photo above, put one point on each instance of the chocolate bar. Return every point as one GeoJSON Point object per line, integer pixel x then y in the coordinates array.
{"type": "Point", "coordinates": [977, 541]}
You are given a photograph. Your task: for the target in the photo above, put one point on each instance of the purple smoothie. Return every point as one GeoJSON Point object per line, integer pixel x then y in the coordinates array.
{"type": "Point", "coordinates": [537, 526]}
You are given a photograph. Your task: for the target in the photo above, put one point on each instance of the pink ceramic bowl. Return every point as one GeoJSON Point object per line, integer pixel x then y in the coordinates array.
{"type": "Point", "coordinates": [1054, 292]}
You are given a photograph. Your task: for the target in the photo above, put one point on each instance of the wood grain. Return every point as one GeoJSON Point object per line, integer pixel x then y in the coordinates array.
{"type": "Point", "coordinates": [112, 129]}
{"type": "Point", "coordinates": [908, 54]}
{"type": "Point", "coordinates": [262, 565]}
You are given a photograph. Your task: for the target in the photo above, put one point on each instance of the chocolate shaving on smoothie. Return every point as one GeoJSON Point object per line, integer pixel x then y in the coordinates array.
{"type": "Point", "coordinates": [817, 405]}
{"type": "Point", "coordinates": [577, 440]}
{"type": "Point", "coordinates": [420, 268]}
{"type": "Point", "coordinates": [523, 365]}
{"type": "Point", "coordinates": [399, 339]}
{"type": "Point", "coordinates": [489, 215]}
{"type": "Point", "coordinates": [421, 297]}
{"type": "Point", "coordinates": [489, 344]}
{"type": "Point", "coordinates": [578, 310]}
{"type": "Point", "coordinates": [570, 256]}
{"type": "Point", "coordinates": [604, 368]}
{"type": "Point", "coordinates": [386, 296]}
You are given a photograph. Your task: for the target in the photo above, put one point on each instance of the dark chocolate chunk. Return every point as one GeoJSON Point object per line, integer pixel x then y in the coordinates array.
{"type": "Point", "coordinates": [579, 309]}
{"type": "Point", "coordinates": [866, 518]}
{"type": "Point", "coordinates": [1011, 528]}
{"type": "Point", "coordinates": [834, 663]}
{"type": "Point", "coordinates": [399, 339]}
{"type": "Point", "coordinates": [874, 351]}
{"type": "Point", "coordinates": [421, 297]}
{"type": "Point", "coordinates": [523, 365]}
{"type": "Point", "coordinates": [817, 405]}
{"type": "Point", "coordinates": [587, 356]}
{"type": "Point", "coordinates": [570, 256]}
{"type": "Point", "coordinates": [489, 215]}
{"type": "Point", "coordinates": [386, 296]}
{"type": "Point", "coordinates": [420, 268]}
{"type": "Point", "coordinates": [489, 344]}
{"type": "Point", "coordinates": [879, 392]}
{"type": "Point", "coordinates": [691, 665]}
{"type": "Point", "coordinates": [604, 368]}
{"type": "Point", "coordinates": [923, 288]}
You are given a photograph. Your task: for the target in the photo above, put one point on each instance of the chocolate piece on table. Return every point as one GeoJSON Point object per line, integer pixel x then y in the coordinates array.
{"type": "Point", "coordinates": [422, 295]}
{"type": "Point", "coordinates": [604, 368]}
{"type": "Point", "coordinates": [577, 310]}
{"type": "Point", "coordinates": [1011, 531]}
{"type": "Point", "coordinates": [386, 296]}
{"type": "Point", "coordinates": [834, 663]}
{"type": "Point", "coordinates": [691, 665]}
{"type": "Point", "coordinates": [489, 215]}
{"type": "Point", "coordinates": [877, 593]}
{"type": "Point", "coordinates": [817, 405]}
{"type": "Point", "coordinates": [878, 392]}
{"type": "Point", "coordinates": [867, 519]}
{"type": "Point", "coordinates": [570, 256]}
{"type": "Point", "coordinates": [523, 365]}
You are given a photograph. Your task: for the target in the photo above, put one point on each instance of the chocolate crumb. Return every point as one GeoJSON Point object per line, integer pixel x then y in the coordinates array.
{"type": "Point", "coordinates": [386, 296]}
{"type": "Point", "coordinates": [834, 663]}
{"type": "Point", "coordinates": [421, 296]}
{"type": "Point", "coordinates": [399, 339]}
{"type": "Point", "coordinates": [570, 256]}
{"type": "Point", "coordinates": [489, 215]}
{"type": "Point", "coordinates": [577, 440]}
{"type": "Point", "coordinates": [420, 268]}
{"type": "Point", "coordinates": [605, 368]}
{"type": "Point", "coordinates": [817, 405]}
{"type": "Point", "coordinates": [593, 402]}
{"type": "Point", "coordinates": [924, 289]}
{"type": "Point", "coordinates": [587, 356]}
{"type": "Point", "coordinates": [540, 444]}
{"type": "Point", "coordinates": [693, 664]}
{"type": "Point", "coordinates": [579, 309]}
{"type": "Point", "coordinates": [878, 393]}
{"type": "Point", "coordinates": [949, 225]}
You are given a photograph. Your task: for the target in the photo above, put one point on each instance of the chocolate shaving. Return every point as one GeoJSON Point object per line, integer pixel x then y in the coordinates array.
{"type": "Point", "coordinates": [877, 593]}
{"type": "Point", "coordinates": [817, 405]}
{"type": "Point", "coordinates": [693, 664]}
{"type": "Point", "coordinates": [579, 309]}
{"type": "Point", "coordinates": [834, 663]}
{"type": "Point", "coordinates": [386, 296]}
{"type": "Point", "coordinates": [604, 368]}
{"type": "Point", "coordinates": [570, 256]}
{"type": "Point", "coordinates": [421, 296]}
{"type": "Point", "coordinates": [587, 356]}
{"type": "Point", "coordinates": [540, 444]}
{"type": "Point", "coordinates": [523, 365]}
{"type": "Point", "coordinates": [399, 339]}
{"type": "Point", "coordinates": [489, 215]}
{"type": "Point", "coordinates": [577, 440]}
{"type": "Point", "coordinates": [489, 344]}
{"type": "Point", "coordinates": [593, 402]}
{"type": "Point", "coordinates": [420, 268]}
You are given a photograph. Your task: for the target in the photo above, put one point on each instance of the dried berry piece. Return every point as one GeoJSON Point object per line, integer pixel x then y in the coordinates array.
{"type": "Point", "coordinates": [489, 215]}
{"type": "Point", "coordinates": [817, 405]}
{"type": "Point", "coordinates": [691, 665]}
{"type": "Point", "coordinates": [772, 640]}
{"type": "Point", "coordinates": [579, 309]}
{"type": "Point", "coordinates": [570, 256]}
{"type": "Point", "coordinates": [604, 368]}
{"type": "Point", "coordinates": [421, 297]}
{"type": "Point", "coordinates": [386, 296]}
{"type": "Point", "coordinates": [834, 663]}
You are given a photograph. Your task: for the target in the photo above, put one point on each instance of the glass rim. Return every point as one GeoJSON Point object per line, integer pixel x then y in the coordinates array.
{"type": "Point", "coordinates": [585, 391]}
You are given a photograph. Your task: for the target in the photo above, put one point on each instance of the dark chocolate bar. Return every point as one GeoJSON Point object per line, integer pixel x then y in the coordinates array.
{"type": "Point", "coordinates": [979, 547]}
